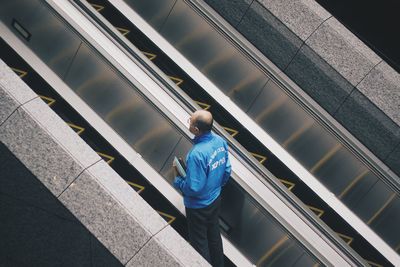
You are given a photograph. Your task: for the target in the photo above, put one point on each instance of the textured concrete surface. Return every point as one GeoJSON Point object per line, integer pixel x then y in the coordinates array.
{"type": "Point", "coordinates": [318, 79]}
{"type": "Point", "coordinates": [326, 61]}
{"type": "Point", "coordinates": [231, 10]}
{"type": "Point", "coordinates": [393, 159]}
{"type": "Point", "coordinates": [26, 133]}
{"type": "Point", "coordinates": [36, 229]}
{"type": "Point", "coordinates": [17, 182]}
{"type": "Point", "coordinates": [122, 193]}
{"type": "Point", "coordinates": [382, 87]}
{"type": "Point", "coordinates": [166, 249]}
{"type": "Point", "coordinates": [269, 35]}
{"type": "Point", "coordinates": [343, 51]}
{"type": "Point", "coordinates": [100, 254]}
{"type": "Point", "coordinates": [12, 93]}
{"type": "Point", "coordinates": [105, 217]}
{"type": "Point", "coordinates": [369, 124]}
{"type": "Point", "coordinates": [96, 198]}
{"type": "Point", "coordinates": [301, 17]}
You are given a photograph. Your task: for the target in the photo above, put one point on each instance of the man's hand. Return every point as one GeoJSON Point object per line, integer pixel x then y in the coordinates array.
{"type": "Point", "coordinates": [178, 183]}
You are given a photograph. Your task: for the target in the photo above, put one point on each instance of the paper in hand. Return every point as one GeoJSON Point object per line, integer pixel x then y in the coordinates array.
{"type": "Point", "coordinates": [179, 167]}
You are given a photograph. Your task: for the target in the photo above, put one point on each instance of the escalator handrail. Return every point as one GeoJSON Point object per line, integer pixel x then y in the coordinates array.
{"type": "Point", "coordinates": [293, 91]}
{"type": "Point", "coordinates": [325, 194]}
{"type": "Point", "coordinates": [257, 169]}
{"type": "Point", "coordinates": [119, 144]}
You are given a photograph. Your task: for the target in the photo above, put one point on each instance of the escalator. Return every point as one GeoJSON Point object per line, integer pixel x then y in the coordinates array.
{"type": "Point", "coordinates": [363, 186]}
{"type": "Point", "coordinates": [131, 175]}
{"type": "Point", "coordinates": [263, 233]}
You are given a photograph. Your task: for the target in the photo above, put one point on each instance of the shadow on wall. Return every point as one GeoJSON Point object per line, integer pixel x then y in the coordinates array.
{"type": "Point", "coordinates": [36, 229]}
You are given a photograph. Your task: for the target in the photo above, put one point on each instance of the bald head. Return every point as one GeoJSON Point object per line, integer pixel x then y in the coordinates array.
{"type": "Point", "coordinates": [202, 120]}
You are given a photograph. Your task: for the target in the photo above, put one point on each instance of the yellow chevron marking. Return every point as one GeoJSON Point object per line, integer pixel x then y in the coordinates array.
{"type": "Point", "coordinates": [48, 100]}
{"type": "Point", "coordinates": [106, 158]}
{"type": "Point", "coordinates": [149, 55]}
{"type": "Point", "coordinates": [19, 72]}
{"type": "Point", "coordinates": [231, 131]}
{"type": "Point", "coordinates": [123, 31]}
{"type": "Point", "coordinates": [288, 184]}
{"type": "Point", "coordinates": [346, 238]}
{"type": "Point", "coordinates": [165, 215]}
{"type": "Point", "coordinates": [176, 80]}
{"type": "Point", "coordinates": [76, 128]}
{"type": "Point", "coordinates": [97, 7]}
{"type": "Point", "coordinates": [259, 157]}
{"type": "Point", "coordinates": [203, 105]}
{"type": "Point", "coordinates": [138, 188]}
{"type": "Point", "coordinates": [317, 211]}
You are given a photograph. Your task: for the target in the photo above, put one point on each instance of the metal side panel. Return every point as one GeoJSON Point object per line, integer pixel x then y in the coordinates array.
{"type": "Point", "coordinates": [311, 150]}
{"type": "Point", "coordinates": [42, 31]}
{"type": "Point", "coordinates": [122, 107]}
{"type": "Point", "coordinates": [155, 11]}
{"type": "Point", "coordinates": [266, 218]}
{"type": "Point", "coordinates": [181, 150]}
{"type": "Point", "coordinates": [210, 53]}
{"type": "Point", "coordinates": [255, 232]}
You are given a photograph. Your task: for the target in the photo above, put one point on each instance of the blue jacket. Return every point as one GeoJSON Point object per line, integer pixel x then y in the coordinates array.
{"type": "Point", "coordinates": [207, 170]}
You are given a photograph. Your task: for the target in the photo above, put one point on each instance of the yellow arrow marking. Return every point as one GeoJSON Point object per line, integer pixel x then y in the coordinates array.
{"type": "Point", "coordinates": [97, 7]}
{"type": "Point", "coordinates": [231, 131]}
{"type": "Point", "coordinates": [176, 80]}
{"type": "Point", "coordinates": [346, 238]}
{"type": "Point", "coordinates": [259, 157]}
{"type": "Point", "coordinates": [149, 55]}
{"type": "Point", "coordinates": [76, 128]}
{"type": "Point", "coordinates": [164, 215]}
{"type": "Point", "coordinates": [106, 158]}
{"type": "Point", "coordinates": [288, 184]}
{"type": "Point", "coordinates": [317, 211]}
{"type": "Point", "coordinates": [139, 188]}
{"type": "Point", "coordinates": [123, 31]}
{"type": "Point", "coordinates": [19, 72]}
{"type": "Point", "coordinates": [203, 105]}
{"type": "Point", "coordinates": [48, 100]}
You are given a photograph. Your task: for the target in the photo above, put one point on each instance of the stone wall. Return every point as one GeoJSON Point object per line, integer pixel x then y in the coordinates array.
{"type": "Point", "coordinates": [343, 75]}
{"type": "Point", "coordinates": [61, 205]}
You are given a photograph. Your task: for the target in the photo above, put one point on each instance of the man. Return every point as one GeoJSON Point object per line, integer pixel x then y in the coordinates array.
{"type": "Point", "coordinates": [207, 170]}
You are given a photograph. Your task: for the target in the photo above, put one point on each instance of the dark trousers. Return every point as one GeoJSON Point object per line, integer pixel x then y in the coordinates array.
{"type": "Point", "coordinates": [204, 233]}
